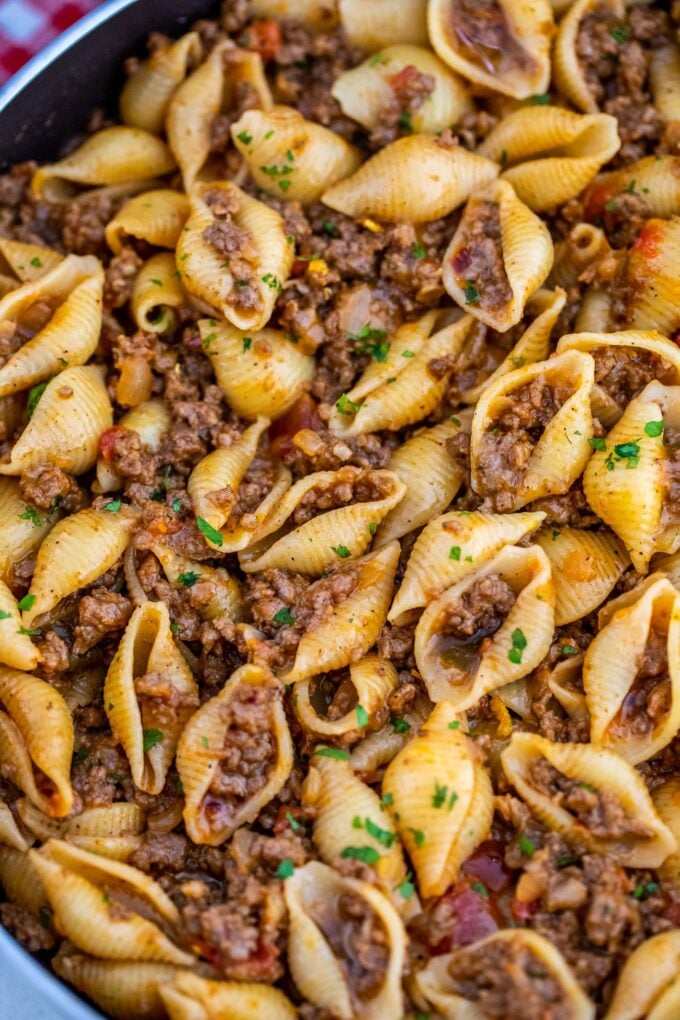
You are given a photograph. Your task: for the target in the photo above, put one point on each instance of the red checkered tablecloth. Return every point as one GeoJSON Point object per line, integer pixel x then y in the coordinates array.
{"type": "Point", "coordinates": [26, 26]}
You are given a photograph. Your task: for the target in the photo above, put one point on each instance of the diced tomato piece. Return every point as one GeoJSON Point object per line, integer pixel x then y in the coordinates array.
{"type": "Point", "coordinates": [523, 912]}
{"type": "Point", "coordinates": [596, 199]}
{"type": "Point", "coordinates": [263, 37]}
{"type": "Point", "coordinates": [108, 440]}
{"type": "Point", "coordinates": [302, 415]}
{"type": "Point", "coordinates": [648, 240]}
{"type": "Point", "coordinates": [404, 78]}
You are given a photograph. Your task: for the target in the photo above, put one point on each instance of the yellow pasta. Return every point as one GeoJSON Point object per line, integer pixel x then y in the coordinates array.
{"type": "Point", "coordinates": [190, 997]}
{"type": "Point", "coordinates": [16, 648]}
{"type": "Point", "coordinates": [648, 982]}
{"type": "Point", "coordinates": [219, 594]}
{"type": "Point", "coordinates": [157, 293]}
{"type": "Point", "coordinates": [156, 217]}
{"type": "Point", "coordinates": [120, 988]}
{"type": "Point", "coordinates": [372, 680]}
{"type": "Point", "coordinates": [27, 261]}
{"type": "Point", "coordinates": [585, 568]}
{"type": "Point", "coordinates": [567, 69]}
{"type": "Point", "coordinates": [371, 24]}
{"type": "Point", "coordinates": [147, 92]}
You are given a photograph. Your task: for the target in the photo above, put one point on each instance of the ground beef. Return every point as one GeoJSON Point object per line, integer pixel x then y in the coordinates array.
{"type": "Point", "coordinates": [236, 247]}
{"type": "Point", "coordinates": [120, 277]}
{"type": "Point", "coordinates": [22, 217]}
{"type": "Point", "coordinates": [29, 930]}
{"type": "Point", "coordinates": [48, 487]}
{"type": "Point", "coordinates": [349, 485]}
{"type": "Point", "coordinates": [485, 36]}
{"type": "Point", "coordinates": [571, 509]}
{"type": "Point", "coordinates": [55, 653]}
{"type": "Point", "coordinates": [161, 704]}
{"type": "Point", "coordinates": [624, 371]}
{"type": "Point", "coordinates": [648, 700]}
{"type": "Point", "coordinates": [84, 224]}
{"type": "Point", "coordinates": [161, 851]}
{"type": "Point", "coordinates": [122, 450]}
{"type": "Point", "coordinates": [478, 259]}
{"type": "Point", "coordinates": [321, 450]}
{"type": "Point", "coordinates": [671, 469]}
{"type": "Point", "coordinates": [358, 940]}
{"type": "Point", "coordinates": [257, 483]}
{"type": "Point", "coordinates": [410, 88]}
{"type": "Point", "coordinates": [99, 614]}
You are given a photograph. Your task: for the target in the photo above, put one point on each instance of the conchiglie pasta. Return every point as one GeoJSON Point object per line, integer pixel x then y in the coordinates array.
{"type": "Point", "coordinates": [108, 909]}
{"type": "Point", "coordinates": [372, 680]}
{"type": "Point", "coordinates": [366, 92]}
{"type": "Point", "coordinates": [16, 648]}
{"type": "Point", "coordinates": [150, 420]}
{"type": "Point", "coordinates": [27, 261]}
{"type": "Point", "coordinates": [114, 155]}
{"type": "Point", "coordinates": [318, 14]}
{"type": "Point", "coordinates": [220, 594]}
{"type": "Point", "coordinates": [36, 741]}
{"type": "Point", "coordinates": [146, 94]}
{"type": "Point", "coordinates": [77, 551]}
{"type": "Point", "coordinates": [323, 970]}
{"type": "Point", "coordinates": [156, 294]}
{"type": "Point", "coordinates": [622, 699]}
{"type": "Point", "coordinates": [262, 260]}
{"type": "Point", "coordinates": [190, 997]}
{"type": "Point", "coordinates": [551, 779]}
{"type": "Point", "coordinates": [522, 257]}
{"type": "Point", "coordinates": [156, 217]}
{"type": "Point", "coordinates": [549, 465]}
{"type": "Point", "coordinates": [381, 747]}
{"type": "Point", "coordinates": [585, 567]}
{"type": "Point", "coordinates": [654, 179]}
{"type": "Point", "coordinates": [214, 807]}
{"type": "Point", "coordinates": [371, 24]}
{"type": "Point", "coordinates": [440, 799]}
{"type": "Point", "coordinates": [66, 425]}
{"type": "Point", "coordinates": [583, 246]}
{"type": "Point", "coordinates": [19, 879]}
{"type": "Point", "coordinates": [323, 517]}
{"type": "Point", "coordinates": [452, 546]}
{"type": "Point", "coordinates": [413, 179]}
{"type": "Point", "coordinates": [289, 157]}
{"type": "Point", "coordinates": [568, 70]}
{"type": "Point", "coordinates": [119, 987]}
{"type": "Point", "coordinates": [651, 279]}
{"type": "Point", "coordinates": [664, 79]}
{"type": "Point", "coordinates": [113, 831]}
{"type": "Point", "coordinates": [578, 145]}
{"type": "Point", "coordinates": [517, 63]}
{"type": "Point", "coordinates": [22, 527]}
{"type": "Point", "coordinates": [10, 834]}
{"type": "Point", "coordinates": [462, 656]}
{"type": "Point", "coordinates": [648, 983]}
{"type": "Point", "coordinates": [666, 799]}
{"type": "Point", "coordinates": [261, 373]}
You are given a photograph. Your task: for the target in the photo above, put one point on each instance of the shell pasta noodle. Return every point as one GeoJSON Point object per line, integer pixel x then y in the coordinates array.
{"type": "Point", "coordinates": [340, 519]}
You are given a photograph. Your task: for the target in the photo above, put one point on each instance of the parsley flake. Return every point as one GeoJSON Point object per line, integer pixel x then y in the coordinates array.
{"type": "Point", "coordinates": [114, 506]}
{"type": "Point", "coordinates": [284, 617]}
{"type": "Point", "coordinates": [285, 869]}
{"type": "Point", "coordinates": [244, 137]}
{"type": "Point", "coordinates": [34, 396]}
{"type": "Point", "coordinates": [36, 263]}
{"type": "Point", "coordinates": [526, 846]}
{"type": "Point", "coordinates": [569, 650]}
{"type": "Point", "coordinates": [519, 643]}
{"type": "Point", "coordinates": [188, 578]}
{"type": "Point", "coordinates": [543, 99]}
{"type": "Point", "coordinates": [362, 715]}
{"type": "Point", "coordinates": [212, 534]}
{"type": "Point", "coordinates": [5, 615]}
{"type": "Point", "coordinates": [346, 406]}
{"type": "Point", "coordinates": [367, 854]}
{"type": "Point", "coordinates": [332, 752]}
{"type": "Point", "coordinates": [406, 889]}
{"type": "Point", "coordinates": [454, 552]}
{"type": "Point", "coordinates": [471, 293]}
{"type": "Point", "coordinates": [151, 738]}
{"type": "Point", "coordinates": [399, 725]}
{"type": "Point", "coordinates": [26, 603]}
{"type": "Point", "coordinates": [418, 251]}
{"type": "Point", "coordinates": [32, 515]}
{"type": "Point", "coordinates": [654, 428]}
{"type": "Point", "coordinates": [480, 888]}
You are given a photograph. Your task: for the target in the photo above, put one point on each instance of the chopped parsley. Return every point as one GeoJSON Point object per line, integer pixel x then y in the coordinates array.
{"type": "Point", "coordinates": [284, 617]}
{"type": "Point", "coordinates": [205, 742]}
{"type": "Point", "coordinates": [454, 552]}
{"type": "Point", "coordinates": [292, 821]}
{"type": "Point", "coordinates": [32, 515]}
{"type": "Point", "coordinates": [36, 263]}
{"type": "Point", "coordinates": [526, 846]}
{"type": "Point", "coordinates": [555, 534]}
{"type": "Point", "coordinates": [643, 892]}
{"type": "Point", "coordinates": [34, 396]}
{"type": "Point", "coordinates": [471, 293]}
{"type": "Point", "coordinates": [247, 343]}
{"type": "Point", "coordinates": [519, 643]}
{"type": "Point", "coordinates": [543, 99]}
{"type": "Point", "coordinates": [406, 888]}
{"type": "Point", "coordinates": [480, 888]}
{"type": "Point", "coordinates": [176, 505]}
{"type": "Point", "coordinates": [367, 854]}
{"type": "Point", "coordinates": [30, 631]}
{"type": "Point", "coordinates": [188, 578]}
{"type": "Point", "coordinates": [418, 251]}
{"type": "Point", "coordinates": [270, 134]}
{"type": "Point", "coordinates": [212, 534]}
{"type": "Point", "coordinates": [45, 916]}
{"type": "Point", "coordinates": [418, 836]}
{"type": "Point", "coordinates": [332, 752]}
{"type": "Point", "coordinates": [654, 428]}
{"type": "Point", "coordinates": [619, 35]}
{"type": "Point", "coordinates": [272, 281]}
{"type": "Point", "coordinates": [362, 715]}
{"type": "Point", "coordinates": [26, 603]}
{"type": "Point", "coordinates": [329, 228]}
{"type": "Point", "coordinates": [207, 340]}
{"type": "Point", "coordinates": [454, 724]}
{"type": "Point", "coordinates": [370, 340]}
{"type": "Point", "coordinates": [407, 354]}
{"type": "Point", "coordinates": [399, 725]}
{"type": "Point", "coordinates": [372, 527]}
{"type": "Point", "coordinates": [440, 796]}
{"type": "Point", "coordinates": [151, 738]}
{"type": "Point", "coordinates": [383, 836]}
{"type": "Point", "coordinates": [612, 205]}
{"type": "Point", "coordinates": [630, 452]}
{"type": "Point", "coordinates": [80, 755]}
{"type": "Point", "coordinates": [4, 615]}
{"type": "Point", "coordinates": [405, 122]}
{"type": "Point", "coordinates": [598, 444]}
{"type": "Point", "coordinates": [284, 186]}
{"type": "Point", "coordinates": [285, 869]}
{"type": "Point", "coordinates": [114, 506]}
{"type": "Point", "coordinates": [342, 551]}
{"type": "Point", "coordinates": [346, 406]}
{"type": "Point", "coordinates": [569, 650]}
{"type": "Point", "coordinates": [244, 137]}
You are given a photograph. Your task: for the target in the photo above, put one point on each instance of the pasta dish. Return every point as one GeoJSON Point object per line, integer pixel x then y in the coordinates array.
{"type": "Point", "coordinates": [340, 520]}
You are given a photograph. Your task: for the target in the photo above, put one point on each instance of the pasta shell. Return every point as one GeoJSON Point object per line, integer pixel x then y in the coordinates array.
{"type": "Point", "coordinates": [36, 822]}
{"type": "Point", "coordinates": [664, 78]}
{"type": "Point", "coordinates": [76, 552]}
{"type": "Point", "coordinates": [27, 261]}
{"type": "Point", "coordinates": [147, 92]}
{"type": "Point", "coordinates": [381, 747]}
{"type": "Point", "coordinates": [372, 679]}
{"type": "Point", "coordinates": [654, 178]}
{"type": "Point", "coordinates": [371, 24]}
{"type": "Point", "coordinates": [120, 988]}
{"type": "Point", "coordinates": [112, 831]}
{"type": "Point", "coordinates": [559, 456]}
{"type": "Point", "coordinates": [460, 668]}
{"type": "Point", "coordinates": [567, 68]}
{"type": "Point", "coordinates": [524, 253]}
{"type": "Point", "coordinates": [86, 893]}
{"type": "Point", "coordinates": [367, 91]}
{"type": "Point", "coordinates": [289, 157]}
{"type": "Point", "coordinates": [579, 144]}
{"type": "Point", "coordinates": [434, 566]}
{"type": "Point", "coordinates": [616, 680]}
{"type": "Point", "coordinates": [520, 67]}
{"type": "Point", "coordinates": [440, 798]}
{"type": "Point", "coordinates": [631, 502]}
{"type": "Point", "coordinates": [223, 595]}
{"type": "Point", "coordinates": [337, 509]}
{"type": "Point", "coordinates": [156, 293]}
{"type": "Point", "coordinates": [584, 245]}
{"type": "Point", "coordinates": [413, 179]}
{"type": "Point", "coordinates": [650, 286]}
{"type": "Point", "coordinates": [156, 217]}
{"type": "Point", "coordinates": [36, 741]}
{"type": "Point", "coordinates": [345, 632]}
{"type": "Point", "coordinates": [66, 425]}
{"type": "Point", "coordinates": [349, 814]}
{"type": "Point", "coordinates": [114, 155]}
{"type": "Point", "coordinates": [648, 982]}
{"type": "Point", "coordinates": [585, 567]}
{"type": "Point", "coordinates": [381, 400]}
{"type": "Point", "coordinates": [259, 374]}
{"type": "Point", "coordinates": [325, 974]}
{"type": "Point", "coordinates": [320, 15]}
{"type": "Point", "coordinates": [641, 840]}
{"type": "Point", "coordinates": [432, 478]}
{"type": "Point", "coordinates": [22, 528]}
{"type": "Point", "coordinates": [669, 565]}
{"type": "Point", "coordinates": [269, 257]}
{"type": "Point", "coordinates": [513, 950]}
{"type": "Point", "coordinates": [150, 420]}
{"type": "Point", "coordinates": [210, 815]}
{"type": "Point", "coordinates": [16, 648]}
{"type": "Point", "coordinates": [19, 879]}
{"type": "Point", "coordinates": [190, 997]}
{"type": "Point", "coordinates": [667, 801]}
{"type": "Point", "coordinates": [10, 833]}
{"type": "Point", "coordinates": [149, 685]}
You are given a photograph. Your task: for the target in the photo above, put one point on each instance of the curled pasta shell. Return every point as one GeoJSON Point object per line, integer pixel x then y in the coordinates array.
{"type": "Point", "coordinates": [631, 502]}
{"type": "Point", "coordinates": [664, 78]}
{"type": "Point", "coordinates": [579, 144]}
{"type": "Point", "coordinates": [432, 478]}
{"type": "Point", "coordinates": [654, 178]}
{"type": "Point", "coordinates": [343, 531]}
{"type": "Point", "coordinates": [648, 982]}
{"type": "Point", "coordinates": [559, 456]}
{"type": "Point", "coordinates": [36, 733]}
{"type": "Point", "coordinates": [156, 293]}
{"type": "Point", "coordinates": [345, 632]}
{"type": "Point", "coordinates": [21, 528]}
{"type": "Point", "coordinates": [77, 551]}
{"type": "Point", "coordinates": [19, 879]}
{"type": "Point", "coordinates": [224, 595]}
{"type": "Point", "coordinates": [114, 155]}
{"type": "Point", "coordinates": [150, 420]}
{"type": "Point", "coordinates": [381, 747]}
{"type": "Point", "coordinates": [147, 653]}
{"type": "Point", "coordinates": [567, 68]}
{"type": "Point", "coordinates": [411, 179]}
{"type": "Point", "coordinates": [156, 217]}
{"type": "Point", "coordinates": [16, 648]}
{"type": "Point", "coordinates": [260, 373]}
{"type": "Point", "coordinates": [211, 816]}
{"type": "Point", "coordinates": [402, 391]}
{"type": "Point", "coordinates": [36, 822]}
{"type": "Point", "coordinates": [190, 997]}
{"type": "Point", "coordinates": [372, 679]}
{"type": "Point", "coordinates": [366, 91]}
{"type": "Point", "coordinates": [319, 15]}
{"type": "Point", "coordinates": [519, 68]}
{"type": "Point", "coordinates": [513, 950]}
{"type": "Point", "coordinates": [371, 24]}
{"type": "Point", "coordinates": [146, 94]}
{"type": "Point", "coordinates": [27, 261]}
{"type": "Point", "coordinates": [525, 256]}
{"type": "Point", "coordinates": [203, 270]}
{"type": "Point", "coordinates": [315, 957]}
{"type": "Point", "coordinates": [292, 158]}
{"type": "Point", "coordinates": [433, 567]}
{"type": "Point", "coordinates": [66, 425]}
{"type": "Point", "coordinates": [584, 245]}
{"type": "Point", "coordinates": [112, 831]}
{"type": "Point", "coordinates": [640, 840]}
{"type": "Point", "coordinates": [651, 280]}
{"type": "Point", "coordinates": [10, 833]}
{"type": "Point", "coordinates": [460, 668]}
{"type": "Point", "coordinates": [669, 565]}
{"type": "Point", "coordinates": [120, 988]}
{"type": "Point", "coordinates": [440, 799]}
{"type": "Point", "coordinates": [585, 567]}
{"type": "Point", "coordinates": [86, 892]}
{"type": "Point", "coordinates": [613, 673]}
{"type": "Point", "coordinates": [667, 802]}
